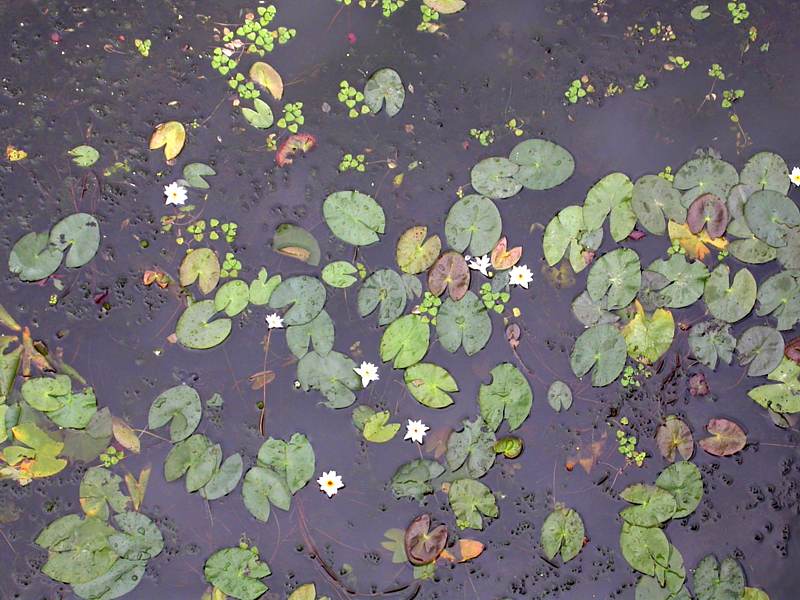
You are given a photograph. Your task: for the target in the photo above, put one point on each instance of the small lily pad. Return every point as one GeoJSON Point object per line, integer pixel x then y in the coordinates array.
{"type": "Point", "coordinates": [385, 86]}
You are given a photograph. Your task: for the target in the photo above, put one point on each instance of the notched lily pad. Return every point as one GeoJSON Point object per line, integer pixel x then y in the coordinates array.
{"type": "Point", "coordinates": [415, 253]}
{"type": "Point", "coordinates": [385, 86]}
{"type": "Point", "coordinates": [423, 544]}
{"type": "Point", "coordinates": [542, 164]}
{"type": "Point", "coordinates": [708, 211]}
{"type": "Point", "coordinates": [450, 272]}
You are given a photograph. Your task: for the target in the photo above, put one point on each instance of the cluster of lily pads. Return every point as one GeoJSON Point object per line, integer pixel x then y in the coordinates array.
{"type": "Point", "coordinates": [101, 561]}
{"type": "Point", "coordinates": [36, 255]}
{"type": "Point", "coordinates": [626, 308]}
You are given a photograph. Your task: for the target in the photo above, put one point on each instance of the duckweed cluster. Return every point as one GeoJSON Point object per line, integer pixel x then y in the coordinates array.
{"type": "Point", "coordinates": [353, 99]}
{"type": "Point", "coordinates": [429, 308]}
{"type": "Point", "coordinates": [292, 117]}
{"type": "Point", "coordinates": [350, 162]}
{"type": "Point", "coordinates": [494, 300]}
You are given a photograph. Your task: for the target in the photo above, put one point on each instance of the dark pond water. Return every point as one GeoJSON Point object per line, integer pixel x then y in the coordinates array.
{"type": "Point", "coordinates": [70, 75]}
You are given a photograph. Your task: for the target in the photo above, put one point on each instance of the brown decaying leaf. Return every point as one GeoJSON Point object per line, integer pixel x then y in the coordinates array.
{"type": "Point", "coordinates": [560, 276]}
{"type": "Point", "coordinates": [503, 258]}
{"type": "Point", "coordinates": [160, 278]}
{"type": "Point", "coordinates": [696, 246]}
{"type": "Point", "coordinates": [268, 78]}
{"type": "Point", "coordinates": [513, 333]}
{"type": "Point", "coordinates": [436, 441]}
{"type": "Point", "coordinates": [727, 438]}
{"type": "Point", "coordinates": [170, 135]}
{"type": "Point", "coordinates": [423, 544]}
{"type": "Point", "coordinates": [588, 456]}
{"type": "Point", "coordinates": [295, 252]}
{"type": "Point", "coordinates": [137, 488]}
{"type": "Point", "coordinates": [125, 435]}
{"type": "Point", "coordinates": [672, 436]}
{"type": "Point", "coordinates": [260, 379]}
{"type": "Point", "coordinates": [298, 142]}
{"type": "Point", "coordinates": [466, 550]}
{"type": "Point", "coordinates": [792, 350]}
{"type": "Point", "coordinates": [450, 272]}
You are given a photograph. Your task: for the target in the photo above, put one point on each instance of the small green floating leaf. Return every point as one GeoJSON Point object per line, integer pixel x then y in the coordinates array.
{"type": "Point", "coordinates": [655, 201]}
{"type": "Point", "coordinates": [617, 274]}
{"type": "Point", "coordinates": [711, 341]}
{"type": "Point", "coordinates": [715, 581]}
{"type": "Point", "coordinates": [305, 294]}
{"type": "Point", "coordinates": [261, 288]}
{"type": "Point", "coordinates": [472, 447]}
{"type": "Point", "coordinates": [413, 479]}
{"type": "Point", "coordinates": [463, 322]}
{"type": "Point", "coordinates": [232, 298]}
{"type": "Point", "coordinates": [684, 481]}
{"type": "Point", "coordinates": [197, 331]}
{"type": "Point", "coordinates": [559, 396]}
{"type": "Point", "coordinates": [100, 493]}
{"type": "Point", "coordinates": [195, 174]}
{"type": "Point", "coordinates": [201, 265]}
{"type": "Point", "coordinates": [317, 334]}
{"type": "Point", "coordinates": [415, 253]}
{"type": "Point", "coordinates": [261, 117]}
{"type": "Point", "coordinates": [84, 156]}
{"type": "Point", "coordinates": [653, 505]}
{"type": "Point", "coordinates": [470, 499]}
{"type": "Point", "coordinates": [339, 274]}
{"type": "Point", "coordinates": [225, 479]}
{"type": "Point", "coordinates": [332, 375]}
{"type": "Point", "coordinates": [385, 86]}
{"type": "Point", "coordinates": [237, 572]}
{"type": "Point", "coordinates": [378, 430]}
{"type": "Point", "coordinates": [700, 12]}
{"type": "Point", "coordinates": [761, 348]}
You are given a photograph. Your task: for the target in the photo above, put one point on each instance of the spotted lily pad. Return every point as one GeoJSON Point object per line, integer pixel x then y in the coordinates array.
{"type": "Point", "coordinates": [306, 296]}
{"type": "Point", "coordinates": [684, 481]}
{"type": "Point", "coordinates": [653, 505]}
{"type": "Point", "coordinates": [446, 7]}
{"type": "Point", "coordinates": [779, 296]}
{"type": "Point", "coordinates": [494, 177]}
{"type": "Point", "coordinates": [715, 581]}
{"type": "Point", "coordinates": [601, 347]}
{"type": "Point", "coordinates": [78, 549]}
{"type": "Point", "coordinates": [761, 348]}
{"type": "Point", "coordinates": [562, 532]}
{"type": "Point", "coordinates": [384, 289]}
{"type": "Point", "coordinates": [766, 171]}
{"type": "Point", "coordinates": [332, 375]}
{"type": "Point", "coordinates": [385, 86]}
{"type": "Point", "coordinates": [686, 280]}
{"type": "Point", "coordinates": [644, 548]}
{"type": "Point", "coordinates": [648, 337]}
{"type": "Point", "coordinates": [655, 201]}
{"type": "Point", "coordinates": [237, 572]}
{"type": "Point", "coordinates": [726, 301]}
{"type": "Point", "coordinates": [470, 499]}
{"type": "Point", "coordinates": [708, 211]}
{"type": "Point", "coordinates": [473, 222]}
{"type": "Point", "coordinates": [339, 274]}
{"type": "Point", "coordinates": [450, 272]}
{"type": "Point", "coordinates": [567, 232]}
{"type": "Point", "coordinates": [616, 274]}
{"type": "Point", "coordinates": [196, 330]}
{"type": "Point", "coordinates": [705, 175]}
{"type": "Point", "coordinates": [232, 298]}
{"type": "Point", "coordinates": [179, 404]}
{"type": "Point", "coordinates": [354, 217]}
{"type": "Point", "coordinates": [770, 215]}
{"type": "Point", "coordinates": [784, 395]}
{"type": "Point", "coordinates": [542, 164]}
{"type": "Point", "coordinates": [415, 253]}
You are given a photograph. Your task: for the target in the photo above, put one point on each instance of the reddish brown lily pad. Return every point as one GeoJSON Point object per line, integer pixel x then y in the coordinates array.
{"type": "Point", "coordinates": [675, 436]}
{"type": "Point", "coordinates": [450, 272]}
{"type": "Point", "coordinates": [727, 438]}
{"type": "Point", "coordinates": [299, 142]}
{"type": "Point", "coordinates": [503, 258]}
{"type": "Point", "coordinates": [792, 350]}
{"type": "Point", "coordinates": [708, 211]}
{"type": "Point", "coordinates": [423, 545]}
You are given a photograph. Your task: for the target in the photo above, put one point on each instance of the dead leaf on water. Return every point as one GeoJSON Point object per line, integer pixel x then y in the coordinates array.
{"type": "Point", "coordinates": [171, 135]}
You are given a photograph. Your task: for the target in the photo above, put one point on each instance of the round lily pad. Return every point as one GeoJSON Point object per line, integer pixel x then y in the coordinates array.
{"type": "Point", "coordinates": [708, 211]}
{"type": "Point", "coordinates": [769, 215]}
{"type": "Point", "coordinates": [705, 175]}
{"type": "Point", "coordinates": [603, 348]}
{"type": "Point", "coordinates": [761, 348]}
{"type": "Point", "coordinates": [473, 222]}
{"type": "Point", "coordinates": [384, 289]}
{"type": "Point", "coordinates": [730, 302]}
{"type": "Point", "coordinates": [304, 293]}
{"type": "Point", "coordinates": [79, 236]}
{"type": "Point", "coordinates": [559, 396]}
{"type": "Point", "coordinates": [385, 86]}
{"type": "Point", "coordinates": [542, 164]}
{"type": "Point", "coordinates": [415, 253]}
{"type": "Point", "coordinates": [493, 177]}
{"type": "Point", "coordinates": [354, 217]}
{"type": "Point", "coordinates": [33, 257]}
{"type": "Point", "coordinates": [196, 330]}
{"type": "Point", "coordinates": [766, 171]}
{"type": "Point", "coordinates": [450, 272]}
{"type": "Point", "coordinates": [655, 201]}
{"type": "Point", "coordinates": [686, 280]}
{"type": "Point", "coordinates": [617, 274]}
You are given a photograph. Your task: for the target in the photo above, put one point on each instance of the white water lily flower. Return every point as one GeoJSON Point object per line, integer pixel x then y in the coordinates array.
{"type": "Point", "coordinates": [368, 373]}
{"type": "Point", "coordinates": [480, 263]}
{"type": "Point", "coordinates": [416, 431]}
{"type": "Point", "coordinates": [330, 483]}
{"type": "Point", "coordinates": [175, 193]}
{"type": "Point", "coordinates": [274, 321]}
{"type": "Point", "coordinates": [520, 275]}
{"type": "Point", "coordinates": [795, 176]}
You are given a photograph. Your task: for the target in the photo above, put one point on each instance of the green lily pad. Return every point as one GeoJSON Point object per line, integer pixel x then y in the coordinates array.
{"type": "Point", "coordinates": [33, 257]}
{"type": "Point", "coordinates": [305, 294]}
{"type": "Point", "coordinates": [562, 532]}
{"type": "Point", "coordinates": [601, 347]}
{"type": "Point", "coordinates": [618, 274]}
{"type": "Point", "coordinates": [655, 201]}
{"type": "Point", "coordinates": [354, 217]}
{"type": "Point", "coordinates": [294, 460]}
{"type": "Point", "coordinates": [385, 86]}
{"type": "Point", "coordinates": [296, 242]}
{"type": "Point", "coordinates": [589, 312]}
{"type": "Point", "coordinates": [79, 236]}
{"type": "Point", "coordinates": [683, 480]}
{"type": "Point", "coordinates": [179, 404]}
{"type": "Point", "coordinates": [339, 274]}
{"type": "Point", "coordinates": [766, 171]}
{"type": "Point", "coordinates": [138, 538]}
{"type": "Point", "coordinates": [195, 174]}
{"type": "Point", "coordinates": [261, 288]}
{"type": "Point", "coordinates": [789, 255]}
{"type": "Point", "coordinates": [470, 499]}
{"type": "Point", "coordinates": [783, 396]}
{"type": "Point", "coordinates": [100, 493]}
{"type": "Point", "coordinates": [715, 581]}
{"type": "Point", "coordinates": [464, 322]}
{"type": "Point", "coordinates": [430, 384]}
{"type": "Point", "coordinates": [405, 341]}
{"type": "Point", "coordinates": [543, 165]}
{"type": "Point", "coordinates": [686, 280]}
{"type": "Point", "coordinates": [473, 222]}
{"type": "Point", "coordinates": [779, 296]}
{"type": "Point", "coordinates": [45, 393]}
{"type": "Point", "coordinates": [123, 577]}
{"type": "Point", "coordinates": [605, 196]}
{"type": "Point", "coordinates": [385, 290]}
{"type": "Point", "coordinates": [711, 341]}
{"type": "Point", "coordinates": [699, 13]}
{"type": "Point", "coordinates": [260, 116]}
{"type": "Point", "coordinates": [761, 348]}
{"type": "Point", "coordinates": [195, 330]}
{"type": "Point", "coordinates": [78, 549]}
{"type": "Point", "coordinates": [653, 505]}
{"type": "Point", "coordinates": [332, 375]}
{"type": "Point", "coordinates": [232, 298]}
{"type": "Point", "coordinates": [317, 334]}
{"type": "Point", "coordinates": [752, 251]}
{"type": "Point", "coordinates": [413, 479]}
{"type": "Point", "coordinates": [472, 447]}
{"type": "Point", "coordinates": [76, 410]}
{"type": "Point", "coordinates": [224, 479]}
{"type": "Point", "coordinates": [648, 337]}
{"type": "Point", "coordinates": [84, 156]}
{"type": "Point", "coordinates": [726, 301]}
{"type": "Point", "coordinates": [645, 548]}
{"type": "Point", "coordinates": [415, 253]}
{"type": "Point", "coordinates": [237, 572]}
{"type": "Point", "coordinates": [770, 215]}
{"type": "Point", "coordinates": [201, 265]}
{"type": "Point", "coordinates": [378, 430]}
{"type": "Point", "coordinates": [494, 178]}
{"type": "Point", "coordinates": [559, 396]}
{"type": "Point", "coordinates": [263, 487]}
{"type": "Point", "coordinates": [705, 175]}
{"type": "Point", "coordinates": [509, 396]}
